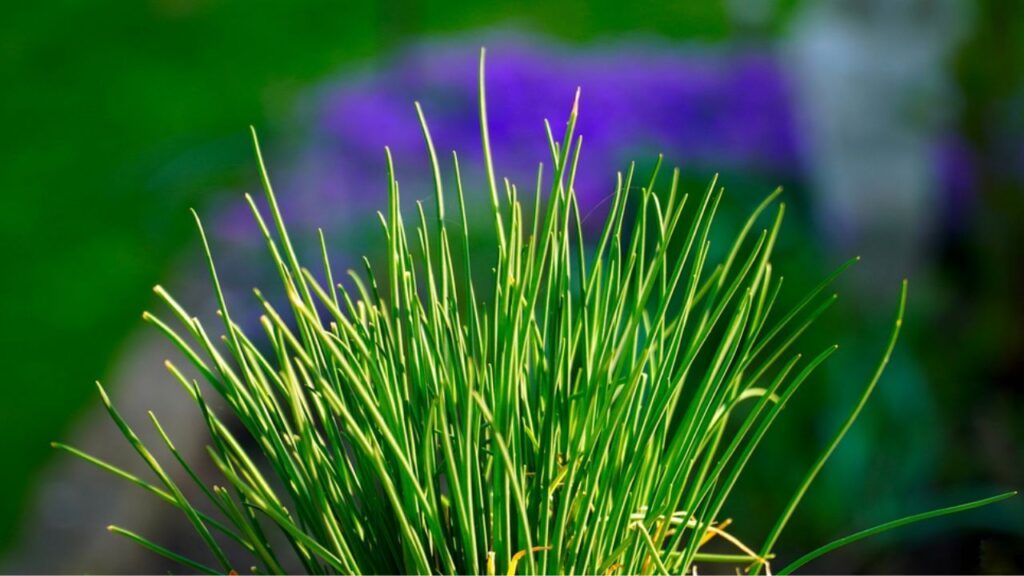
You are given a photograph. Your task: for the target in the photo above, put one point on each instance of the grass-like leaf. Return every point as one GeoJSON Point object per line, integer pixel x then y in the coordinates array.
{"type": "Point", "coordinates": [588, 409]}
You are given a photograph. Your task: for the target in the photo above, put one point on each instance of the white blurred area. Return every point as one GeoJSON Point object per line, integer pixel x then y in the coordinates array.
{"type": "Point", "coordinates": [874, 96]}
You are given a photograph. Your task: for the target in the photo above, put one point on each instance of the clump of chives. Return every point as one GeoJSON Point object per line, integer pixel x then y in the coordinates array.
{"type": "Point", "coordinates": [587, 411]}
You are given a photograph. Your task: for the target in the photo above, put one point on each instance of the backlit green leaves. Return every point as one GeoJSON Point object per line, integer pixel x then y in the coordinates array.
{"type": "Point", "coordinates": [587, 410]}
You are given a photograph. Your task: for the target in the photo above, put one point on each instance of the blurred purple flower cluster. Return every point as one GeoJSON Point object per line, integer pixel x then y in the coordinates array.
{"type": "Point", "coordinates": [704, 109]}
{"type": "Point", "coordinates": [723, 108]}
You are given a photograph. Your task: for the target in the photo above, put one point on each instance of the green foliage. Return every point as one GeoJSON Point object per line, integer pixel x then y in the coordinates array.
{"type": "Point", "coordinates": [588, 412]}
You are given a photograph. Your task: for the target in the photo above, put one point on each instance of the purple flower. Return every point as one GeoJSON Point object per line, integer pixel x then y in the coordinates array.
{"type": "Point", "coordinates": [958, 174]}
{"type": "Point", "coordinates": [707, 109]}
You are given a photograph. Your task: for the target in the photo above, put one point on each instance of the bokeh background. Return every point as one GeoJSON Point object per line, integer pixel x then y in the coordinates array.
{"type": "Point", "coordinates": [896, 126]}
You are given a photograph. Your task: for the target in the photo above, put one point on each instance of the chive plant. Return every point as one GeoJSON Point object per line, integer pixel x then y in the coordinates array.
{"type": "Point", "coordinates": [588, 411]}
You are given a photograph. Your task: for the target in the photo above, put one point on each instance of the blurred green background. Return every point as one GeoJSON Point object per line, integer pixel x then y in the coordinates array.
{"type": "Point", "coordinates": [118, 116]}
